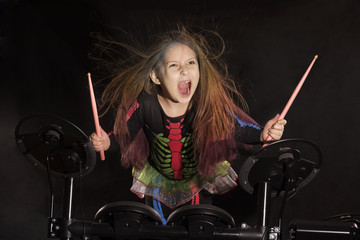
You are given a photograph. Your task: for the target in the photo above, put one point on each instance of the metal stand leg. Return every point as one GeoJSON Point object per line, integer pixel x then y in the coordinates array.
{"type": "Point", "coordinates": [67, 206]}
{"type": "Point", "coordinates": [68, 195]}
{"type": "Point", "coordinates": [58, 226]}
{"type": "Point", "coordinates": [263, 204]}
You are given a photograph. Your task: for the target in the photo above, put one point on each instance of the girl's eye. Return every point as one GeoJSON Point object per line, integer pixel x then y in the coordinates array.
{"type": "Point", "coordinates": [172, 65]}
{"type": "Point", "coordinates": [192, 62]}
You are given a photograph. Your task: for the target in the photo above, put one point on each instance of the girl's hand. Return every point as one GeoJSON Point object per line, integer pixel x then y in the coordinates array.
{"type": "Point", "coordinates": [100, 142]}
{"type": "Point", "coordinates": [273, 129]}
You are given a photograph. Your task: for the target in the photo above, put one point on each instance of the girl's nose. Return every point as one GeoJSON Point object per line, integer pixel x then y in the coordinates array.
{"type": "Point", "coordinates": [184, 70]}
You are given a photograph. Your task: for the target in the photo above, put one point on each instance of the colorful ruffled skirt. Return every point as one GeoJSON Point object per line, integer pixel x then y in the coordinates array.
{"type": "Point", "coordinates": [173, 193]}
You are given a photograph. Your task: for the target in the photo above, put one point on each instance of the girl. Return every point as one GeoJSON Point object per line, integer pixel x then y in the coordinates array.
{"type": "Point", "coordinates": [177, 124]}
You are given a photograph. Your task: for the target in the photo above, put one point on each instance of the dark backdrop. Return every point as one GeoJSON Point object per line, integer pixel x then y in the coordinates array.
{"type": "Point", "coordinates": [270, 43]}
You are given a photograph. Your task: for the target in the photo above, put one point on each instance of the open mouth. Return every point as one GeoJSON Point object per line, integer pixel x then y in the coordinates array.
{"type": "Point", "coordinates": [184, 87]}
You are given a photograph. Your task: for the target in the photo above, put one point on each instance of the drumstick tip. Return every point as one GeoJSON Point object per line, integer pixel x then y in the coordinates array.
{"type": "Point", "coordinates": [89, 74]}
{"type": "Point", "coordinates": [316, 56]}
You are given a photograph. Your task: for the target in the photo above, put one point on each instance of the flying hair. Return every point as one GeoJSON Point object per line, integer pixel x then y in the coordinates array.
{"type": "Point", "coordinates": [214, 122]}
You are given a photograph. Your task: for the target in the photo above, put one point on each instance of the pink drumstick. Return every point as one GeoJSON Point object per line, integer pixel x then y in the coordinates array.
{"type": "Point", "coordinates": [95, 113]}
{"type": "Point", "coordinates": [294, 94]}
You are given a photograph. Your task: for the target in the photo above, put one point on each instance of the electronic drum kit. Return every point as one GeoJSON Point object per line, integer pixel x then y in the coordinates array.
{"type": "Point", "coordinates": [277, 169]}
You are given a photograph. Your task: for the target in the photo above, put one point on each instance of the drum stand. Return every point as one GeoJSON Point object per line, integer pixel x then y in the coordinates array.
{"type": "Point", "coordinates": [279, 169]}
{"type": "Point", "coordinates": [63, 150]}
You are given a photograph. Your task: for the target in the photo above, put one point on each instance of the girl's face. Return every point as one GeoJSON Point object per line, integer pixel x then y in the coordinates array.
{"type": "Point", "coordinates": [178, 75]}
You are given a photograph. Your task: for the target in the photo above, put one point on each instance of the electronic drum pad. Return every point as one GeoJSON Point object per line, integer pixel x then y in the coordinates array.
{"type": "Point", "coordinates": [44, 137]}
{"type": "Point", "coordinates": [287, 165]}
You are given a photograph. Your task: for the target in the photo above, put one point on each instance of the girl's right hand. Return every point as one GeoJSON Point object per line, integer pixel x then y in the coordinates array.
{"type": "Point", "coordinates": [100, 143]}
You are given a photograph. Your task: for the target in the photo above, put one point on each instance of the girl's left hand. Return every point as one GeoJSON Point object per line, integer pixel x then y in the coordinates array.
{"type": "Point", "coordinates": [274, 129]}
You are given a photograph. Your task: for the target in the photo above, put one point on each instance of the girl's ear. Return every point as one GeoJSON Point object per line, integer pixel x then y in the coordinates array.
{"type": "Point", "coordinates": [154, 77]}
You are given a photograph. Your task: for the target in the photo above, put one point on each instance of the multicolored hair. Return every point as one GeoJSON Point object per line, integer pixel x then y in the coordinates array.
{"type": "Point", "coordinates": [214, 121]}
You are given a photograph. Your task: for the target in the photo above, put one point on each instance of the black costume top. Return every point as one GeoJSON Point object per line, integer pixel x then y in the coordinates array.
{"type": "Point", "coordinates": [170, 173]}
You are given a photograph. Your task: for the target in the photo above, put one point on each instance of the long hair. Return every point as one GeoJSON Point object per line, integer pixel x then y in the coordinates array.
{"type": "Point", "coordinates": [213, 100]}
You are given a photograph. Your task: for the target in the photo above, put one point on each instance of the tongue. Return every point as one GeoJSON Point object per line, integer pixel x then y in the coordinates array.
{"type": "Point", "coordinates": [183, 87]}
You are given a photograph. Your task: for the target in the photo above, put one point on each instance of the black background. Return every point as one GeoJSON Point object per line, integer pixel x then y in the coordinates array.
{"type": "Point", "coordinates": [270, 43]}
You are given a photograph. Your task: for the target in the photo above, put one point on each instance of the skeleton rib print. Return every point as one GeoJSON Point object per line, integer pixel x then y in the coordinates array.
{"type": "Point", "coordinates": [173, 155]}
